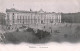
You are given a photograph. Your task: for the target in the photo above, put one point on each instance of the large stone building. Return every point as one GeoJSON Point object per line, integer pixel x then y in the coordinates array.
{"type": "Point", "coordinates": [19, 17]}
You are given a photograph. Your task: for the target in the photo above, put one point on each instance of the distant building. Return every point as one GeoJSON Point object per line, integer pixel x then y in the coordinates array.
{"type": "Point", "coordinates": [2, 18]}
{"type": "Point", "coordinates": [19, 17]}
{"type": "Point", "coordinates": [70, 17]}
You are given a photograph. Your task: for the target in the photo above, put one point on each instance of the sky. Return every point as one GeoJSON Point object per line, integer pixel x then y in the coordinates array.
{"type": "Point", "coordinates": [66, 6]}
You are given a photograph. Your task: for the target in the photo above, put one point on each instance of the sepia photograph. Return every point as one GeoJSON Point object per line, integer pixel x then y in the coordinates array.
{"type": "Point", "coordinates": [51, 25]}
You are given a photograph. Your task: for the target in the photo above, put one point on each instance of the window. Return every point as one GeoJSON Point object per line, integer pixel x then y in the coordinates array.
{"type": "Point", "coordinates": [23, 19]}
{"type": "Point", "coordinates": [13, 17]}
{"type": "Point", "coordinates": [13, 13]}
{"type": "Point", "coordinates": [41, 21]}
{"type": "Point", "coordinates": [20, 19]}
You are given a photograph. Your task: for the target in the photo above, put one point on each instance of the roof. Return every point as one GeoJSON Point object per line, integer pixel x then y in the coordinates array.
{"type": "Point", "coordinates": [23, 11]}
{"type": "Point", "coordinates": [14, 10]}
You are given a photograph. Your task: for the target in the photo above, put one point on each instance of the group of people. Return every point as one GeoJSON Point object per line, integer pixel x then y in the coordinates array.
{"type": "Point", "coordinates": [1, 37]}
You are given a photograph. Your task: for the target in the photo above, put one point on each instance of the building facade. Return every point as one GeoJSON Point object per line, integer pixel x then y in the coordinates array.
{"type": "Point", "coordinates": [19, 17]}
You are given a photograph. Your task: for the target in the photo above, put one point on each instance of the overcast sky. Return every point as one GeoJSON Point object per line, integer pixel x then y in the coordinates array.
{"type": "Point", "coordinates": [46, 5]}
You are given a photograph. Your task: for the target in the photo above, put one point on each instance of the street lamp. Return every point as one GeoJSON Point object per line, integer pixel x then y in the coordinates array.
{"type": "Point", "coordinates": [51, 25]}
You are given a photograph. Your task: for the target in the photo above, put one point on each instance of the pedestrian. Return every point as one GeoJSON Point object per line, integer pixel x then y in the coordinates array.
{"type": "Point", "coordinates": [0, 37]}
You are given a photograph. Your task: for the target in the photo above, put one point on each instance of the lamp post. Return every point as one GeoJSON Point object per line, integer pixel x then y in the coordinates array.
{"type": "Point", "coordinates": [51, 26]}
